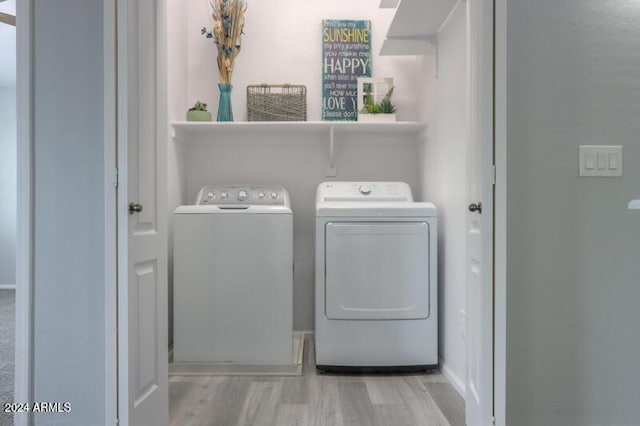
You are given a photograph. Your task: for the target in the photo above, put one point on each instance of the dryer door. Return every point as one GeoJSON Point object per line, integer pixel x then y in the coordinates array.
{"type": "Point", "coordinates": [377, 270]}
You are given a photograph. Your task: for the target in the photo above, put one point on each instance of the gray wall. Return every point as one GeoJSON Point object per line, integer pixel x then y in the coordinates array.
{"type": "Point", "coordinates": [573, 247]}
{"type": "Point", "coordinates": [69, 223]}
{"type": "Point", "coordinates": [7, 185]}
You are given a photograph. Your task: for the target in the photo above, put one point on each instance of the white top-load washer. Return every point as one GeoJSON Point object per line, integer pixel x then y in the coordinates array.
{"type": "Point", "coordinates": [233, 276]}
{"type": "Point", "coordinates": [376, 278]}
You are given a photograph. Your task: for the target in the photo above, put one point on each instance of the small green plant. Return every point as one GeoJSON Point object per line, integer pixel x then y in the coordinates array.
{"type": "Point", "coordinates": [199, 106]}
{"type": "Point", "coordinates": [373, 109]}
{"type": "Point", "coordinates": [385, 106]}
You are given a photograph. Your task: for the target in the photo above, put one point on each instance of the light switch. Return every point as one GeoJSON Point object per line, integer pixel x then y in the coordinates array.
{"type": "Point", "coordinates": [613, 161]}
{"type": "Point", "coordinates": [590, 160]}
{"type": "Point", "coordinates": [601, 160]}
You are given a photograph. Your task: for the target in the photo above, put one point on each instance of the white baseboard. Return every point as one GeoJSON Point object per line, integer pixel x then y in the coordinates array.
{"type": "Point", "coordinates": [242, 369]}
{"type": "Point", "coordinates": [7, 286]}
{"type": "Point", "coordinates": [455, 380]}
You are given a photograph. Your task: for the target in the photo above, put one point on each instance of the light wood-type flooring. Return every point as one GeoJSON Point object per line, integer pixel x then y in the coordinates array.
{"type": "Point", "coordinates": [315, 399]}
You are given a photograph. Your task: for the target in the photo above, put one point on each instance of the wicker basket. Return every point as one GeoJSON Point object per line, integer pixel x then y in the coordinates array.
{"type": "Point", "coordinates": [277, 102]}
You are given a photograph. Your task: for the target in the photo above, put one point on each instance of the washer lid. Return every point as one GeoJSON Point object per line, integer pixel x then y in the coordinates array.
{"type": "Point", "coordinates": [232, 209]}
{"type": "Point", "coordinates": [375, 209]}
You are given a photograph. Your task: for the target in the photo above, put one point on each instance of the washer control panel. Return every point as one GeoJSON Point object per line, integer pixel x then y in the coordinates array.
{"type": "Point", "coordinates": [364, 191]}
{"type": "Point", "coordinates": [242, 195]}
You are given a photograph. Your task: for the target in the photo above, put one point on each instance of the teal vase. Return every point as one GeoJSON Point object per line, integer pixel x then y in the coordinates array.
{"type": "Point", "coordinates": [224, 107]}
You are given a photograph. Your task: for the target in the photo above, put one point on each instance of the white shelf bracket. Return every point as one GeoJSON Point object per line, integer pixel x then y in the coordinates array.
{"type": "Point", "coordinates": [433, 40]}
{"type": "Point", "coordinates": [331, 171]}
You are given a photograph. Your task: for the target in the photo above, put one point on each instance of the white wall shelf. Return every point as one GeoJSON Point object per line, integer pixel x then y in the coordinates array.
{"type": "Point", "coordinates": [213, 133]}
{"type": "Point", "coordinates": [405, 47]}
{"type": "Point", "coordinates": [415, 24]}
{"type": "Point", "coordinates": [183, 130]}
{"type": "Point", "coordinates": [389, 4]}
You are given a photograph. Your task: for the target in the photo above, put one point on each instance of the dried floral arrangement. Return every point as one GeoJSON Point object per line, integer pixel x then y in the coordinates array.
{"type": "Point", "coordinates": [228, 24]}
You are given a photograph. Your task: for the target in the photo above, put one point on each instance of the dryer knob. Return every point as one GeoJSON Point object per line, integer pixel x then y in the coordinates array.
{"type": "Point", "coordinates": [224, 195]}
{"type": "Point", "coordinates": [242, 195]}
{"type": "Point", "coordinates": [261, 195]}
{"type": "Point", "coordinates": [365, 190]}
{"type": "Point", "coordinates": [274, 195]}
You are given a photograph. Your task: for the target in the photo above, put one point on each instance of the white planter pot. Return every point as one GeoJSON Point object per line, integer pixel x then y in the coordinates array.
{"type": "Point", "coordinates": [376, 118]}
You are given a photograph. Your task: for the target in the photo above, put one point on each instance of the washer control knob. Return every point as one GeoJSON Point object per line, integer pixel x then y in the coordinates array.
{"type": "Point", "coordinates": [224, 195]}
{"type": "Point", "coordinates": [365, 189]}
{"type": "Point", "coordinates": [261, 195]}
{"type": "Point", "coordinates": [242, 195]}
{"type": "Point", "coordinates": [274, 195]}
{"type": "Point", "coordinates": [211, 195]}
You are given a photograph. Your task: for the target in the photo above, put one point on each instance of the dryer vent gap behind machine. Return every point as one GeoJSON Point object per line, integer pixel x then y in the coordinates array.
{"type": "Point", "coordinates": [376, 278]}
{"type": "Point", "coordinates": [233, 277]}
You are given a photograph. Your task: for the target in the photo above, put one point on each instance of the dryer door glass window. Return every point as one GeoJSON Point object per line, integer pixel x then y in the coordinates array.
{"type": "Point", "coordinates": [377, 270]}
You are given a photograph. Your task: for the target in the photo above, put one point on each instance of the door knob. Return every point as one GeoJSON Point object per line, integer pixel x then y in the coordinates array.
{"type": "Point", "coordinates": [135, 208]}
{"type": "Point", "coordinates": [475, 207]}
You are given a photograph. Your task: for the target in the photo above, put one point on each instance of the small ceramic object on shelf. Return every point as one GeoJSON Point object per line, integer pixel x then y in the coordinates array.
{"type": "Point", "coordinates": [198, 112]}
{"type": "Point", "coordinates": [225, 113]}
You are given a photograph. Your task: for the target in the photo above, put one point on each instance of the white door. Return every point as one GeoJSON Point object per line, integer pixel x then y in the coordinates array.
{"type": "Point", "coordinates": [479, 386]}
{"type": "Point", "coordinates": [142, 247]}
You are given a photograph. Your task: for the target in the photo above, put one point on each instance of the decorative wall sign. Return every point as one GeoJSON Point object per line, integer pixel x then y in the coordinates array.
{"type": "Point", "coordinates": [346, 55]}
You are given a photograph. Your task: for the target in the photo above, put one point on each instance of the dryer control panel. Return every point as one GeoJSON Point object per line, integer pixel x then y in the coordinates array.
{"type": "Point", "coordinates": [249, 195]}
{"type": "Point", "coordinates": [364, 191]}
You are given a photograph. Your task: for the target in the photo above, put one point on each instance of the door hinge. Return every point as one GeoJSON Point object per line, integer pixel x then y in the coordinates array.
{"type": "Point", "coordinates": [494, 172]}
{"type": "Point", "coordinates": [493, 419]}
{"type": "Point", "coordinates": [116, 177]}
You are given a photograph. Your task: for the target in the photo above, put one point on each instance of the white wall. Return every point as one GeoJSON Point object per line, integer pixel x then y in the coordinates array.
{"type": "Point", "coordinates": [573, 277]}
{"type": "Point", "coordinates": [8, 6]}
{"type": "Point", "coordinates": [69, 352]}
{"type": "Point", "coordinates": [299, 165]}
{"type": "Point", "coordinates": [7, 148]}
{"type": "Point", "coordinates": [177, 78]}
{"type": "Point", "coordinates": [8, 47]}
{"type": "Point", "coordinates": [8, 144]}
{"type": "Point", "coordinates": [444, 181]}
{"type": "Point", "coordinates": [283, 44]}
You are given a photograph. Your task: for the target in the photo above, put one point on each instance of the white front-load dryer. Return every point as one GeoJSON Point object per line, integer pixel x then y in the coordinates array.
{"type": "Point", "coordinates": [233, 276]}
{"type": "Point", "coordinates": [376, 278]}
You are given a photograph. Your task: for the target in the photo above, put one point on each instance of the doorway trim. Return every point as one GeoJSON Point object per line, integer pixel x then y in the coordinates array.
{"type": "Point", "coordinates": [500, 212]}
{"type": "Point", "coordinates": [110, 212]}
{"type": "Point", "coordinates": [25, 209]}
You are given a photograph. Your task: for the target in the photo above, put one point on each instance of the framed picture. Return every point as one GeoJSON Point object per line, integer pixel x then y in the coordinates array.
{"type": "Point", "coordinates": [372, 105]}
{"type": "Point", "coordinates": [346, 55]}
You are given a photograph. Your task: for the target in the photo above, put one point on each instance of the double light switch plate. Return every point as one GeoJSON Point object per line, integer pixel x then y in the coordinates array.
{"type": "Point", "coordinates": [601, 160]}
